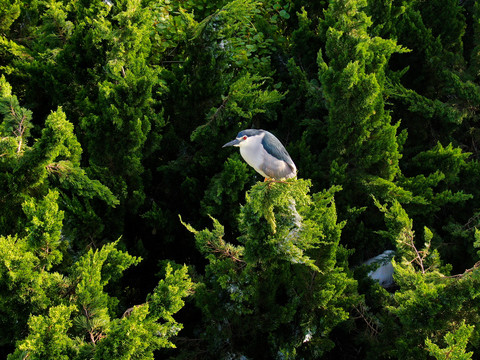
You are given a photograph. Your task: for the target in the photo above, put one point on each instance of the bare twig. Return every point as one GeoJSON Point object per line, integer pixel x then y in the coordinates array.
{"type": "Point", "coordinates": [458, 276]}
{"type": "Point", "coordinates": [226, 252]}
{"type": "Point", "coordinates": [221, 107]}
{"type": "Point", "coordinates": [419, 255]}
{"type": "Point", "coordinates": [53, 168]}
{"type": "Point", "coordinates": [449, 353]}
{"type": "Point", "coordinates": [468, 226]}
{"type": "Point", "coordinates": [214, 116]}
{"type": "Point", "coordinates": [371, 325]}
{"type": "Point", "coordinates": [128, 312]}
{"type": "Point", "coordinates": [95, 334]}
{"type": "Point", "coordinates": [21, 128]}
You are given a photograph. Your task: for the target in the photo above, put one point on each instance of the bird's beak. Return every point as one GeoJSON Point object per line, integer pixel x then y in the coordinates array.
{"type": "Point", "coordinates": [232, 143]}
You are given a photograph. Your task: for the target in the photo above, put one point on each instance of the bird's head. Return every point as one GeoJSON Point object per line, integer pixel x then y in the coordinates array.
{"type": "Point", "coordinates": [243, 137]}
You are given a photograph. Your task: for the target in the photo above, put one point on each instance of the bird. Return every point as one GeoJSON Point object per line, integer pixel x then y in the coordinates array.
{"type": "Point", "coordinates": [265, 153]}
{"type": "Point", "coordinates": [384, 270]}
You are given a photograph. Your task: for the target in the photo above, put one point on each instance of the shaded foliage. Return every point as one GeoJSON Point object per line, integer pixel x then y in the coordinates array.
{"type": "Point", "coordinates": [112, 118]}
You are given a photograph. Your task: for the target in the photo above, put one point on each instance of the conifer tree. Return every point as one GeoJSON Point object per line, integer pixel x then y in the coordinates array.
{"type": "Point", "coordinates": [363, 149]}
{"type": "Point", "coordinates": [120, 107]}
{"type": "Point", "coordinates": [279, 289]}
{"type": "Point", "coordinates": [114, 126]}
{"type": "Point", "coordinates": [45, 280]}
{"type": "Point", "coordinates": [362, 139]}
{"type": "Point", "coordinates": [456, 341]}
{"type": "Point", "coordinates": [81, 325]}
{"type": "Point", "coordinates": [429, 302]}
{"type": "Point", "coordinates": [51, 162]}
{"type": "Point", "coordinates": [434, 97]}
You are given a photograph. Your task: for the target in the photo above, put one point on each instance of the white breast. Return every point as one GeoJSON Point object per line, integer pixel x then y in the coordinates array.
{"type": "Point", "coordinates": [250, 150]}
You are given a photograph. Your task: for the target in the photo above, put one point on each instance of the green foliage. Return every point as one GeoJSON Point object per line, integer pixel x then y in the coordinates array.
{"type": "Point", "coordinates": [362, 138]}
{"type": "Point", "coordinates": [132, 337]}
{"type": "Point", "coordinates": [92, 272]}
{"type": "Point", "coordinates": [29, 171]}
{"type": "Point", "coordinates": [400, 233]}
{"type": "Point", "coordinates": [232, 27]}
{"type": "Point", "coordinates": [245, 99]}
{"type": "Point", "coordinates": [16, 120]}
{"type": "Point", "coordinates": [137, 335]}
{"type": "Point", "coordinates": [10, 11]}
{"type": "Point", "coordinates": [429, 302]}
{"type": "Point", "coordinates": [225, 188]}
{"type": "Point", "coordinates": [112, 118]}
{"type": "Point", "coordinates": [48, 337]}
{"type": "Point", "coordinates": [84, 328]}
{"type": "Point", "coordinates": [456, 343]}
{"type": "Point", "coordinates": [25, 287]}
{"type": "Point", "coordinates": [284, 275]}
{"type": "Point", "coordinates": [167, 296]}
{"type": "Point", "coordinates": [63, 297]}
{"type": "Point", "coordinates": [43, 230]}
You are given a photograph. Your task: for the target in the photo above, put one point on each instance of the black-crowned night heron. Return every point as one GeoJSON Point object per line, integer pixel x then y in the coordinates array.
{"type": "Point", "coordinates": [265, 153]}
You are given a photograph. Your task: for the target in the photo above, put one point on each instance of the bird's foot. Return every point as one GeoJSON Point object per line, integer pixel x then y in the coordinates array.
{"type": "Point", "coordinates": [268, 180]}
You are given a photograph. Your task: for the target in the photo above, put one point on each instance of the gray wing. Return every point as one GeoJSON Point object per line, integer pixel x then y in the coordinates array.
{"type": "Point", "coordinates": [275, 147]}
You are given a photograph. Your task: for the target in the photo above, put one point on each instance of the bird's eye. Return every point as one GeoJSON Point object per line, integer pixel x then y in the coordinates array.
{"type": "Point", "coordinates": [244, 138]}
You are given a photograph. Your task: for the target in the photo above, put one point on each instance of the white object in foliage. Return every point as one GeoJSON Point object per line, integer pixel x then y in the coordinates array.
{"type": "Point", "coordinates": [384, 273]}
